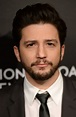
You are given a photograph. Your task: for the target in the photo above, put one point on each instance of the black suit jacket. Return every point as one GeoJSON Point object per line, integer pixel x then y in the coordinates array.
{"type": "Point", "coordinates": [12, 99]}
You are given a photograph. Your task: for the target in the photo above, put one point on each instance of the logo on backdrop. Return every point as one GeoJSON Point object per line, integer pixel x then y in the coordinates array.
{"type": "Point", "coordinates": [6, 80]}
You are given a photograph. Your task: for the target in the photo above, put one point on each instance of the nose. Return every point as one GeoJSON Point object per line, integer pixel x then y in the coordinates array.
{"type": "Point", "coordinates": [41, 52]}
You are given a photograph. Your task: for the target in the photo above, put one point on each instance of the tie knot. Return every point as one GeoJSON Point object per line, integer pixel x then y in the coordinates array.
{"type": "Point", "coordinates": [43, 97]}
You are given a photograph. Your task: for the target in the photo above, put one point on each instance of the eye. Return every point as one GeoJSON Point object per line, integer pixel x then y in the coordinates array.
{"type": "Point", "coordinates": [51, 44]}
{"type": "Point", "coordinates": [30, 44]}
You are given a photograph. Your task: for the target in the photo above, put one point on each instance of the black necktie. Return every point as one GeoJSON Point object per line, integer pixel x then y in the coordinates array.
{"type": "Point", "coordinates": [43, 111]}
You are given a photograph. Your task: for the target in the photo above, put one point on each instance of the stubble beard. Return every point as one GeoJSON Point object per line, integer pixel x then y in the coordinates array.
{"type": "Point", "coordinates": [41, 76]}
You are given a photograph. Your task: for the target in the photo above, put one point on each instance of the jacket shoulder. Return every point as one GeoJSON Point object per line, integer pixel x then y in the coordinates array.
{"type": "Point", "coordinates": [8, 90]}
{"type": "Point", "coordinates": [70, 82]}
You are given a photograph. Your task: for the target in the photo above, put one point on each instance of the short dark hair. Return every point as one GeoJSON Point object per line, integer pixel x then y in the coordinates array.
{"type": "Point", "coordinates": [34, 14]}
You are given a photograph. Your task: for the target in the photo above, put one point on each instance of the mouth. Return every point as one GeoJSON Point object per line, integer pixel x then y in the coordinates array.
{"type": "Point", "coordinates": [42, 65]}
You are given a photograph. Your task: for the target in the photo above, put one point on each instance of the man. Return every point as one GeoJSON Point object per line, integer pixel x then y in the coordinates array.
{"type": "Point", "coordinates": [39, 35]}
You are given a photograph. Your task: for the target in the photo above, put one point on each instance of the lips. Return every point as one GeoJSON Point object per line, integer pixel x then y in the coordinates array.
{"type": "Point", "coordinates": [41, 65]}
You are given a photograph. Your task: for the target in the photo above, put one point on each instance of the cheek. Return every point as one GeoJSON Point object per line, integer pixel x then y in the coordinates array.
{"type": "Point", "coordinates": [27, 57]}
{"type": "Point", "coordinates": [58, 56]}
{"type": "Point", "coordinates": [55, 56]}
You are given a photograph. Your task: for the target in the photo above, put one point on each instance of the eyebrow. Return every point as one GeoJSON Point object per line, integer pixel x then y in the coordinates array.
{"type": "Point", "coordinates": [25, 42]}
{"type": "Point", "coordinates": [46, 40]}
{"type": "Point", "coordinates": [52, 40]}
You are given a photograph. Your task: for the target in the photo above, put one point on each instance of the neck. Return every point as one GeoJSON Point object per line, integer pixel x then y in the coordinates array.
{"type": "Point", "coordinates": [43, 85]}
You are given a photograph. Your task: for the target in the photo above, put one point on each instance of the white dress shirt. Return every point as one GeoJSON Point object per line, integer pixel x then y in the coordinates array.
{"type": "Point", "coordinates": [54, 103]}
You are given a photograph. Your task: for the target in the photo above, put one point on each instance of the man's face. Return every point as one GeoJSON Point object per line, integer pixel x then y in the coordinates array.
{"type": "Point", "coordinates": [40, 51]}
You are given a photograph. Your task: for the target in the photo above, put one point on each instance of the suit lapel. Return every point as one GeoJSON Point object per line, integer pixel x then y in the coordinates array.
{"type": "Point", "coordinates": [16, 104]}
{"type": "Point", "coordinates": [69, 99]}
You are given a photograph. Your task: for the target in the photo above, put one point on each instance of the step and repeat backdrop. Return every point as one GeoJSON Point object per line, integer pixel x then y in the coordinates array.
{"type": "Point", "coordinates": [10, 69]}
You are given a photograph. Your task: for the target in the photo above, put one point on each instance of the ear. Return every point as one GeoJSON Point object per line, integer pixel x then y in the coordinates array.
{"type": "Point", "coordinates": [16, 52]}
{"type": "Point", "coordinates": [62, 51]}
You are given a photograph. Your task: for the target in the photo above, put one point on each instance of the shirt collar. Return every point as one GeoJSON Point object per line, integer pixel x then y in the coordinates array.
{"type": "Point", "coordinates": [54, 90]}
{"type": "Point", "coordinates": [30, 91]}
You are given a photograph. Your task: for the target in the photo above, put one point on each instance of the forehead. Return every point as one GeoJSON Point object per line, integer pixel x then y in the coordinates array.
{"type": "Point", "coordinates": [40, 31]}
